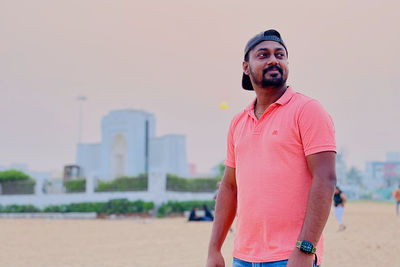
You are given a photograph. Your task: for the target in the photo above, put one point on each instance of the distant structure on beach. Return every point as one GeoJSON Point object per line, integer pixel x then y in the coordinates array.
{"type": "Point", "coordinates": [130, 147]}
{"type": "Point", "coordinates": [341, 169]}
{"type": "Point", "coordinates": [376, 181]}
{"type": "Point", "coordinates": [383, 174]}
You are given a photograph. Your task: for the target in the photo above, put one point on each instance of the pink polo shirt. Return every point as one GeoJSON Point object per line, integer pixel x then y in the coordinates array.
{"type": "Point", "coordinates": [273, 180]}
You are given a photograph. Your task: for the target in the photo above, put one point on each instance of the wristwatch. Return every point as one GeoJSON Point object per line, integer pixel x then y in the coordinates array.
{"type": "Point", "coordinates": [306, 247]}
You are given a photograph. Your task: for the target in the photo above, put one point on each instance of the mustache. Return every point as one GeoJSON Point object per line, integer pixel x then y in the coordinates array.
{"type": "Point", "coordinates": [273, 68]}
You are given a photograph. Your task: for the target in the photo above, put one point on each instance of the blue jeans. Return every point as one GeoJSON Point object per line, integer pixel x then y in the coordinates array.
{"type": "Point", "coordinates": [240, 263]}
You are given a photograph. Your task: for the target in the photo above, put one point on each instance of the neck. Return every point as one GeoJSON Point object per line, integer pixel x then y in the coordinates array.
{"type": "Point", "coordinates": [267, 96]}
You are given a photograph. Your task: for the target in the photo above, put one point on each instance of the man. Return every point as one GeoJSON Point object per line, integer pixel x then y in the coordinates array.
{"type": "Point", "coordinates": [396, 195]}
{"type": "Point", "coordinates": [339, 200]}
{"type": "Point", "coordinates": [280, 168]}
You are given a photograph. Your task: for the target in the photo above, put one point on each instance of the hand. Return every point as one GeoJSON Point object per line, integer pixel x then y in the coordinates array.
{"type": "Point", "coordinates": [300, 259]}
{"type": "Point", "coordinates": [215, 259]}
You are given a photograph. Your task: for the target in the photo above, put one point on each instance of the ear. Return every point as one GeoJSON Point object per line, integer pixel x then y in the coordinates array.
{"type": "Point", "coordinates": [245, 66]}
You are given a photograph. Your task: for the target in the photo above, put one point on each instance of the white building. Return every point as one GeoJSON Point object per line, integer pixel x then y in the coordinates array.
{"type": "Point", "coordinates": [129, 147]}
{"type": "Point", "coordinates": [383, 174]}
{"type": "Point", "coordinates": [341, 170]}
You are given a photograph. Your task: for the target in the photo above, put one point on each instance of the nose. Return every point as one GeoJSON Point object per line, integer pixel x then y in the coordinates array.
{"type": "Point", "coordinates": [273, 61]}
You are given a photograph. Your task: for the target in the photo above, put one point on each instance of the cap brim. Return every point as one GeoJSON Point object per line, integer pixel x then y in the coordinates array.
{"type": "Point", "coordinates": [246, 83]}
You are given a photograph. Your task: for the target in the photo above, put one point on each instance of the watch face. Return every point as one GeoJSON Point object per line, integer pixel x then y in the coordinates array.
{"type": "Point", "coordinates": [306, 246]}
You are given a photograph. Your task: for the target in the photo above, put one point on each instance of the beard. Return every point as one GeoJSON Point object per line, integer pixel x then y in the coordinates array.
{"type": "Point", "coordinates": [269, 82]}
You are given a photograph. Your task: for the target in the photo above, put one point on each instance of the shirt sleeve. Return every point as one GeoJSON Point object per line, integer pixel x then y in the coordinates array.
{"type": "Point", "coordinates": [316, 129]}
{"type": "Point", "coordinates": [230, 155]}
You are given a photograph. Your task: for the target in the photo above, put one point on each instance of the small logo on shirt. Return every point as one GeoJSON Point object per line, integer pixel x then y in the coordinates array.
{"type": "Point", "coordinates": [275, 132]}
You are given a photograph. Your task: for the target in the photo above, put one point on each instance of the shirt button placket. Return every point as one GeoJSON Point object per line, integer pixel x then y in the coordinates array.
{"type": "Point", "coordinates": [257, 127]}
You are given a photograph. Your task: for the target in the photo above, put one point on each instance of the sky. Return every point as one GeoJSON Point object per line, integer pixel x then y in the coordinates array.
{"type": "Point", "coordinates": [178, 60]}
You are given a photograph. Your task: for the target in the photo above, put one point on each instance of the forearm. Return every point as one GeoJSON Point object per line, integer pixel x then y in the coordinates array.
{"type": "Point", "coordinates": [225, 212]}
{"type": "Point", "coordinates": [318, 208]}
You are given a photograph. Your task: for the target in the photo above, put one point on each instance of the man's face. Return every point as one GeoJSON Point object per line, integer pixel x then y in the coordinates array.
{"type": "Point", "coordinates": [267, 65]}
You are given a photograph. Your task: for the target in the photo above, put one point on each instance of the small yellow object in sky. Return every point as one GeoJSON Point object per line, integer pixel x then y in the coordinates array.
{"type": "Point", "coordinates": [223, 105]}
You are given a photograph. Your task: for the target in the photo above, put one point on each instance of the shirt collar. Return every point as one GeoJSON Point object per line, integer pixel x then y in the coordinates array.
{"type": "Point", "coordinates": [284, 99]}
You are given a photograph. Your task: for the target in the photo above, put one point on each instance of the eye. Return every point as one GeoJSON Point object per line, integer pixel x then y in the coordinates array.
{"type": "Point", "coordinates": [280, 55]}
{"type": "Point", "coordinates": [263, 55]}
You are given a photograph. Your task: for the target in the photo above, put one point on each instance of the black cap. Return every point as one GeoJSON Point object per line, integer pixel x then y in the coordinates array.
{"type": "Point", "coordinates": [269, 35]}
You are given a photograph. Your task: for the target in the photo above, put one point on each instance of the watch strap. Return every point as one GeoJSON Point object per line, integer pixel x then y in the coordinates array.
{"type": "Point", "coordinates": [313, 249]}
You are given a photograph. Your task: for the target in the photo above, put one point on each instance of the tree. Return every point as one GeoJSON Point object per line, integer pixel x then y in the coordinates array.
{"type": "Point", "coordinates": [353, 176]}
{"type": "Point", "coordinates": [221, 169]}
{"type": "Point", "coordinates": [13, 175]}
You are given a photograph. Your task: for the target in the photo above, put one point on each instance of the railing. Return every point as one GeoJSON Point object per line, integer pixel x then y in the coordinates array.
{"type": "Point", "coordinates": [23, 187]}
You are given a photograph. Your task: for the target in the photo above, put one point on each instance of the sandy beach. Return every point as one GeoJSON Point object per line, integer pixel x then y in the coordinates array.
{"type": "Point", "coordinates": [372, 238]}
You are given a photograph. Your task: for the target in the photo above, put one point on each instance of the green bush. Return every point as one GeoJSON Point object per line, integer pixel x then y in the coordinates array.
{"type": "Point", "coordinates": [122, 206]}
{"type": "Point", "coordinates": [75, 186]}
{"type": "Point", "coordinates": [56, 208]}
{"type": "Point", "coordinates": [117, 206]}
{"type": "Point", "coordinates": [147, 206]}
{"type": "Point", "coordinates": [98, 207]}
{"type": "Point", "coordinates": [180, 206]}
{"type": "Point", "coordinates": [13, 175]}
{"type": "Point", "coordinates": [179, 184]}
{"type": "Point", "coordinates": [19, 208]}
{"type": "Point", "coordinates": [137, 183]}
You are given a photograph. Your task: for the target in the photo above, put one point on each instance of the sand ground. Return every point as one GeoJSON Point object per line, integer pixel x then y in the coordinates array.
{"type": "Point", "coordinates": [371, 239]}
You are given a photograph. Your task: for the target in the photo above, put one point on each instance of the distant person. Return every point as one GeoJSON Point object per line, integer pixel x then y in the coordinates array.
{"type": "Point", "coordinates": [396, 195]}
{"type": "Point", "coordinates": [207, 213]}
{"type": "Point", "coordinates": [280, 168]}
{"type": "Point", "coordinates": [207, 217]}
{"type": "Point", "coordinates": [193, 214]}
{"type": "Point", "coordinates": [339, 199]}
